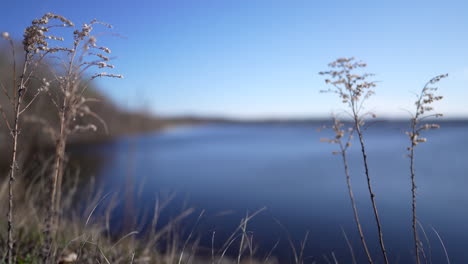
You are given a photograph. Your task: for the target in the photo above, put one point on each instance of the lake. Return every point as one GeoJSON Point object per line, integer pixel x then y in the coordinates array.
{"type": "Point", "coordinates": [231, 169]}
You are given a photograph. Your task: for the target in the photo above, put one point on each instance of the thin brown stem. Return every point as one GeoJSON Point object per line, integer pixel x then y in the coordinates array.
{"type": "Point", "coordinates": [369, 186]}
{"type": "Point", "coordinates": [413, 137]}
{"type": "Point", "coordinates": [413, 195]}
{"type": "Point", "coordinates": [57, 173]}
{"type": "Point", "coordinates": [57, 168]}
{"type": "Point", "coordinates": [14, 166]}
{"type": "Point", "coordinates": [353, 203]}
{"type": "Point", "coordinates": [357, 126]}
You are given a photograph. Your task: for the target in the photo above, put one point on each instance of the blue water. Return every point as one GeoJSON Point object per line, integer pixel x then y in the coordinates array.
{"type": "Point", "coordinates": [229, 170]}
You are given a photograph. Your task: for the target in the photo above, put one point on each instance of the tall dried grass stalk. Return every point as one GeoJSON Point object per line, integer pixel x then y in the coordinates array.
{"type": "Point", "coordinates": [16, 99]}
{"type": "Point", "coordinates": [424, 99]}
{"type": "Point", "coordinates": [35, 47]}
{"type": "Point", "coordinates": [72, 107]}
{"type": "Point", "coordinates": [347, 135]}
{"type": "Point", "coordinates": [354, 89]}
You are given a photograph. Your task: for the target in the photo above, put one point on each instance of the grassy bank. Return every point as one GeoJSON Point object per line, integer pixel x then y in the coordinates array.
{"type": "Point", "coordinates": [84, 235]}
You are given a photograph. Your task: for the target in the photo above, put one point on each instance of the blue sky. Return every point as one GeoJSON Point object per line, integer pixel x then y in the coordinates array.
{"type": "Point", "coordinates": [258, 58]}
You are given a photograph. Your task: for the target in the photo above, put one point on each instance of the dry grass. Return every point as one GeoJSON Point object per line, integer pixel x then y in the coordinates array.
{"type": "Point", "coordinates": [70, 83]}
{"type": "Point", "coordinates": [353, 89]}
{"type": "Point", "coordinates": [83, 235]}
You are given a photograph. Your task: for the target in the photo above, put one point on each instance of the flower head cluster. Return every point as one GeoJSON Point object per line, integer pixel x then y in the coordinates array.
{"type": "Point", "coordinates": [423, 106]}
{"type": "Point", "coordinates": [85, 35]}
{"type": "Point", "coordinates": [45, 20]}
{"type": "Point", "coordinates": [68, 90]}
{"type": "Point", "coordinates": [105, 74]}
{"type": "Point", "coordinates": [35, 38]}
{"type": "Point", "coordinates": [351, 86]}
{"type": "Point", "coordinates": [45, 85]}
{"type": "Point", "coordinates": [343, 136]}
{"type": "Point", "coordinates": [427, 96]}
{"type": "Point", "coordinates": [93, 54]}
{"type": "Point", "coordinates": [86, 56]}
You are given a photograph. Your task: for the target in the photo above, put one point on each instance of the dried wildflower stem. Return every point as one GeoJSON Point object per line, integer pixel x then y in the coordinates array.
{"type": "Point", "coordinates": [425, 98]}
{"type": "Point", "coordinates": [61, 144]}
{"type": "Point", "coordinates": [57, 174]}
{"type": "Point", "coordinates": [52, 220]}
{"type": "Point", "coordinates": [357, 125]}
{"type": "Point", "coordinates": [33, 43]}
{"type": "Point", "coordinates": [413, 205]}
{"type": "Point", "coordinates": [339, 134]}
{"type": "Point", "coordinates": [36, 42]}
{"type": "Point", "coordinates": [72, 106]}
{"type": "Point", "coordinates": [369, 186]}
{"type": "Point", "coordinates": [17, 100]}
{"type": "Point", "coordinates": [14, 165]}
{"type": "Point", "coordinates": [413, 191]}
{"type": "Point", "coordinates": [354, 89]}
{"type": "Point", "coordinates": [353, 204]}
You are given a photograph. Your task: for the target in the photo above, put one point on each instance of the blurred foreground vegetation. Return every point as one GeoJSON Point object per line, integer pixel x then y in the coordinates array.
{"type": "Point", "coordinates": [33, 141]}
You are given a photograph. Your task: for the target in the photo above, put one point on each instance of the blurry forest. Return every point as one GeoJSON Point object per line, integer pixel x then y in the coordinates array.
{"type": "Point", "coordinates": [34, 139]}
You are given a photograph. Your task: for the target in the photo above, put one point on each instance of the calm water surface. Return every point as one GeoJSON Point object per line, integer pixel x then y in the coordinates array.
{"type": "Point", "coordinates": [229, 170]}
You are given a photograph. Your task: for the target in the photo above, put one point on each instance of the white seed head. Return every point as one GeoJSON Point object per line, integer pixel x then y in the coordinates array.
{"type": "Point", "coordinates": [6, 35]}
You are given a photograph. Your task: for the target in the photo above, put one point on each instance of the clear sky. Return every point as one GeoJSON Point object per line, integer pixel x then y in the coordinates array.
{"type": "Point", "coordinates": [260, 58]}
